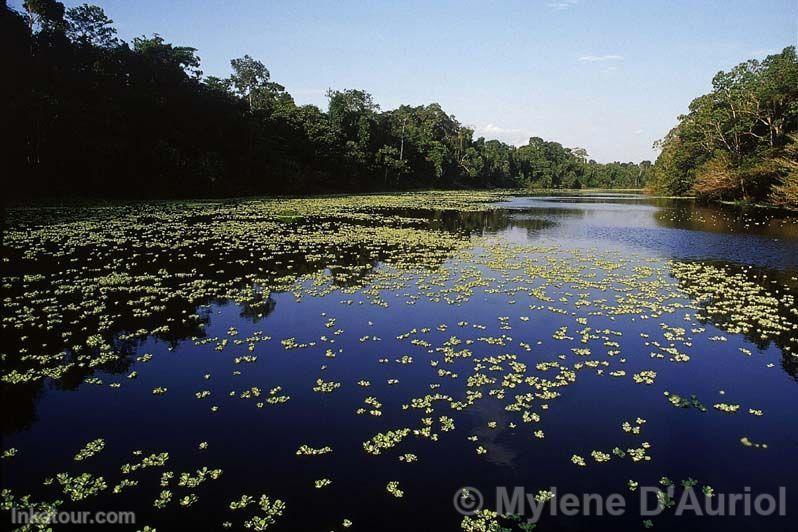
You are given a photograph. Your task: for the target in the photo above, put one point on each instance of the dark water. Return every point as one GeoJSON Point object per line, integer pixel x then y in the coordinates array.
{"type": "Point", "coordinates": [48, 422]}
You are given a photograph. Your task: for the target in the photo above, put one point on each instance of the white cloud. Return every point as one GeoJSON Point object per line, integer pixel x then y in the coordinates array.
{"type": "Point", "coordinates": [309, 96]}
{"type": "Point", "coordinates": [514, 136]}
{"type": "Point", "coordinates": [599, 58]}
{"type": "Point", "coordinates": [494, 129]}
{"type": "Point", "coordinates": [562, 4]}
{"type": "Point", "coordinates": [639, 132]}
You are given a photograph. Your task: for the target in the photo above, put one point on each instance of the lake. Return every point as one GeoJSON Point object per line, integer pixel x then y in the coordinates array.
{"type": "Point", "coordinates": [354, 362]}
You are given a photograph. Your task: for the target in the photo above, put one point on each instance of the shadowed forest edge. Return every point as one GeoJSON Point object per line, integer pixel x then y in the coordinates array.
{"type": "Point", "coordinates": [96, 116]}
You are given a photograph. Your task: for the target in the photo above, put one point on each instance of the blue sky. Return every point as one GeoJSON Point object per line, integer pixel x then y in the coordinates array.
{"type": "Point", "coordinates": [607, 75]}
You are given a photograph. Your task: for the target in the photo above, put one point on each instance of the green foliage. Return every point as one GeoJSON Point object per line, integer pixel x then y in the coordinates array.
{"type": "Point", "coordinates": [89, 25]}
{"type": "Point", "coordinates": [785, 192]}
{"type": "Point", "coordinates": [730, 143]}
{"type": "Point", "coordinates": [95, 116]}
{"type": "Point", "coordinates": [160, 55]}
{"type": "Point", "coordinates": [46, 15]}
{"type": "Point", "coordinates": [250, 78]}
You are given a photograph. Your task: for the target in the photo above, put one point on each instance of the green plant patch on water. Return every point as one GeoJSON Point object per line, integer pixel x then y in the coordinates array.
{"type": "Point", "coordinates": [506, 337]}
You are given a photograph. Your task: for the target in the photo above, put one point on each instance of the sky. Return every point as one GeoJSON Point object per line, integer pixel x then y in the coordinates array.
{"type": "Point", "coordinates": [610, 76]}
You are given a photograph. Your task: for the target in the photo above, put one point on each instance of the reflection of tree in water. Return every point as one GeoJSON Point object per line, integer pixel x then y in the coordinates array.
{"type": "Point", "coordinates": [19, 406]}
{"type": "Point", "coordinates": [555, 212]}
{"type": "Point", "coordinates": [19, 400]}
{"type": "Point", "coordinates": [259, 307]}
{"type": "Point", "coordinates": [722, 218]}
{"type": "Point", "coordinates": [533, 225]}
{"type": "Point", "coordinates": [237, 270]}
{"type": "Point", "coordinates": [469, 222]}
{"type": "Point", "coordinates": [491, 221]}
{"type": "Point", "coordinates": [482, 412]}
{"type": "Point", "coordinates": [230, 270]}
{"type": "Point", "coordinates": [776, 285]}
{"type": "Point", "coordinates": [452, 221]}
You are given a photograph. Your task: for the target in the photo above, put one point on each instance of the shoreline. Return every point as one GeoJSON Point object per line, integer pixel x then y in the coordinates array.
{"type": "Point", "coordinates": [72, 201]}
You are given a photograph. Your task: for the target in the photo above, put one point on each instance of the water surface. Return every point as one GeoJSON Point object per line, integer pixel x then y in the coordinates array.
{"type": "Point", "coordinates": [476, 292]}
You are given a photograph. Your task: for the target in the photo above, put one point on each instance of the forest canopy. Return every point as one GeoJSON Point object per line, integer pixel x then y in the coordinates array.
{"type": "Point", "coordinates": [739, 141]}
{"type": "Point", "coordinates": [92, 115]}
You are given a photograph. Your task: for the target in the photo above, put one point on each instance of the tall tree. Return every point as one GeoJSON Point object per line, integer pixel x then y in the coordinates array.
{"type": "Point", "coordinates": [88, 25]}
{"type": "Point", "coordinates": [726, 146]}
{"type": "Point", "coordinates": [248, 76]}
{"type": "Point", "coordinates": [98, 116]}
{"type": "Point", "coordinates": [44, 15]}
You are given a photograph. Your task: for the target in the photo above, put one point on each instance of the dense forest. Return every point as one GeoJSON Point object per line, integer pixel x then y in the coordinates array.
{"type": "Point", "coordinates": [740, 141]}
{"type": "Point", "coordinates": [91, 115]}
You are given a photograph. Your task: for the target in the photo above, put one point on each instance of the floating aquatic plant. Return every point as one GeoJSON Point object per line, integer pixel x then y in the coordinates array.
{"type": "Point", "coordinates": [80, 486]}
{"type": "Point", "coordinates": [90, 449]}
{"type": "Point", "coordinates": [76, 318]}
{"type": "Point", "coordinates": [306, 450]}
{"type": "Point", "coordinates": [393, 489]}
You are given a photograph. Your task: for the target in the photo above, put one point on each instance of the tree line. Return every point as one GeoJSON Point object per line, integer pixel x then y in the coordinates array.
{"type": "Point", "coordinates": [92, 115]}
{"type": "Point", "coordinates": [739, 141]}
